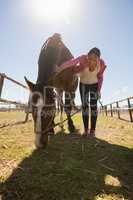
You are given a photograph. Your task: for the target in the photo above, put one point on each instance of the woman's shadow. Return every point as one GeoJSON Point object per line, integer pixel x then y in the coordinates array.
{"type": "Point", "coordinates": [72, 168]}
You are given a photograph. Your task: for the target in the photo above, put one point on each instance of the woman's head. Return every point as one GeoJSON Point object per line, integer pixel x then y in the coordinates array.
{"type": "Point", "coordinates": [95, 51]}
{"type": "Point", "coordinates": [93, 58]}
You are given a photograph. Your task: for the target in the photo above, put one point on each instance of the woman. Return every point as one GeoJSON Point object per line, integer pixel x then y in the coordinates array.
{"type": "Point", "coordinates": [90, 69]}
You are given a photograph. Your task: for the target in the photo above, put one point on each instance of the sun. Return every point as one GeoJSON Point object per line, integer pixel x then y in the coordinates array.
{"type": "Point", "coordinates": [52, 10]}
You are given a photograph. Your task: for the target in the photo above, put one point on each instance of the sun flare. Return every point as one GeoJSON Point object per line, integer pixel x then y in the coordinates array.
{"type": "Point", "coordinates": [52, 10]}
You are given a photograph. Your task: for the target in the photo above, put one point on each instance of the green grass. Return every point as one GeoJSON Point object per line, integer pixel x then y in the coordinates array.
{"type": "Point", "coordinates": [71, 167]}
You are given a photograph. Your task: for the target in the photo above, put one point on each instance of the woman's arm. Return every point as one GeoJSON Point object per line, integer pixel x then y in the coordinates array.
{"type": "Point", "coordinates": [77, 64]}
{"type": "Point", "coordinates": [69, 63]}
{"type": "Point", "coordinates": [100, 74]}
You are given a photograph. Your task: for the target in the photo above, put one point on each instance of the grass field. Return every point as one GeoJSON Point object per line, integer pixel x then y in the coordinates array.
{"type": "Point", "coordinates": [71, 167]}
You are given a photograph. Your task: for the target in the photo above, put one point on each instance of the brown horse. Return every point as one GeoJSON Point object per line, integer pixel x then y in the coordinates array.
{"type": "Point", "coordinates": [42, 98]}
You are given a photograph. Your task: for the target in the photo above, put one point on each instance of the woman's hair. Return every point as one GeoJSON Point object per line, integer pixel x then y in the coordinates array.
{"type": "Point", "coordinates": [96, 51]}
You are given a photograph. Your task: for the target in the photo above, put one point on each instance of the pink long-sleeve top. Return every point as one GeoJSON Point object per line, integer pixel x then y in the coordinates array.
{"type": "Point", "coordinates": [81, 67]}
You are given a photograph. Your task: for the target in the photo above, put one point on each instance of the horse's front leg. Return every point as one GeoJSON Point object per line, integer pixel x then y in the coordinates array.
{"type": "Point", "coordinates": [68, 110]}
{"type": "Point", "coordinates": [60, 107]}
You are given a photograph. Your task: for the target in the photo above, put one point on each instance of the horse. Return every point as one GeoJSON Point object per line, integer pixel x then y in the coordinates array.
{"type": "Point", "coordinates": [42, 93]}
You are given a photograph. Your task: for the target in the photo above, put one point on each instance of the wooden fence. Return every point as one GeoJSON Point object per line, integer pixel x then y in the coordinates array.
{"type": "Point", "coordinates": [114, 109]}
{"type": "Point", "coordinates": [19, 105]}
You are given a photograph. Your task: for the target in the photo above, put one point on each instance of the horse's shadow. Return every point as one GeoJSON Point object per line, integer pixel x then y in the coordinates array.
{"type": "Point", "coordinates": [72, 168]}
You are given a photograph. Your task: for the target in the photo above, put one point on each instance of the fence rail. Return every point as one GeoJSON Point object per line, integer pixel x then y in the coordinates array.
{"type": "Point", "coordinates": [4, 101]}
{"type": "Point", "coordinates": [3, 77]}
{"type": "Point", "coordinates": [115, 109]}
{"type": "Point", "coordinates": [22, 106]}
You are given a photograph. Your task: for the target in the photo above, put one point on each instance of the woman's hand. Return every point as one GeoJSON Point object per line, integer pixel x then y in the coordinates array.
{"type": "Point", "coordinates": [98, 95]}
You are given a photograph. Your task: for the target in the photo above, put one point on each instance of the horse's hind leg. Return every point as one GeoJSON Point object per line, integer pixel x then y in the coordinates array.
{"type": "Point", "coordinates": [68, 110]}
{"type": "Point", "coordinates": [61, 118]}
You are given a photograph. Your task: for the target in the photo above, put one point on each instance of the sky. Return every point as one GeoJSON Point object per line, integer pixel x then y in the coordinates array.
{"type": "Point", "coordinates": [83, 24]}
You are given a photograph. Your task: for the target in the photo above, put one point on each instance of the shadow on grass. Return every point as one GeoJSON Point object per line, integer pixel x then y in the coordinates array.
{"type": "Point", "coordinates": [72, 168]}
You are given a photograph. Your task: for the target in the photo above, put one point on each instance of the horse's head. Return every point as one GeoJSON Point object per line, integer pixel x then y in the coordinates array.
{"type": "Point", "coordinates": [43, 110]}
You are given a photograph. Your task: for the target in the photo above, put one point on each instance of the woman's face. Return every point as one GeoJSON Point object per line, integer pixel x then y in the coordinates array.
{"type": "Point", "coordinates": [92, 61]}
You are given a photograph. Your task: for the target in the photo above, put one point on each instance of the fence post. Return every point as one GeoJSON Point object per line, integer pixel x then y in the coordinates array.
{"type": "Point", "coordinates": [111, 110]}
{"type": "Point", "coordinates": [129, 109]}
{"type": "Point", "coordinates": [1, 83]}
{"type": "Point", "coordinates": [117, 105]}
{"type": "Point", "coordinates": [102, 109]}
{"type": "Point", "coordinates": [106, 111]}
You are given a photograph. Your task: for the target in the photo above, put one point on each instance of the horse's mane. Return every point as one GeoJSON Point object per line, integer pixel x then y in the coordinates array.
{"type": "Point", "coordinates": [45, 44]}
{"type": "Point", "coordinates": [47, 60]}
{"type": "Point", "coordinates": [53, 53]}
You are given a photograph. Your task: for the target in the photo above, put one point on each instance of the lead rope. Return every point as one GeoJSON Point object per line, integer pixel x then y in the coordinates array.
{"type": "Point", "coordinates": [59, 123]}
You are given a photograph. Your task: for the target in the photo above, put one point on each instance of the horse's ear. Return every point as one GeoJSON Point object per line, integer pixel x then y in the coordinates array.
{"type": "Point", "coordinates": [30, 84]}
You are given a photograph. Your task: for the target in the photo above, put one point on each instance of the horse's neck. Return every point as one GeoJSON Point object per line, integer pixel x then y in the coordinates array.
{"type": "Point", "coordinates": [64, 55]}
{"type": "Point", "coordinates": [47, 62]}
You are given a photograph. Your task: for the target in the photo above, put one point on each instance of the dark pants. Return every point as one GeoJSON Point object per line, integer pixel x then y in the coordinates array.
{"type": "Point", "coordinates": [86, 91]}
